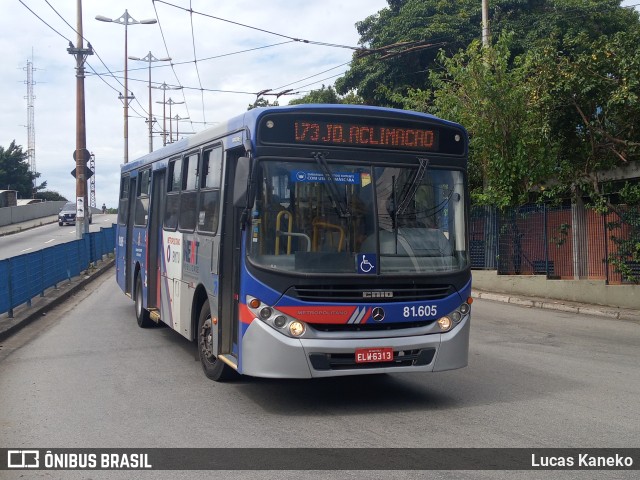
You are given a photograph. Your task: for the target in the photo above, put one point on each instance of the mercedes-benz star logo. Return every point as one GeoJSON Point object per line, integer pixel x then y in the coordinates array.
{"type": "Point", "coordinates": [377, 314]}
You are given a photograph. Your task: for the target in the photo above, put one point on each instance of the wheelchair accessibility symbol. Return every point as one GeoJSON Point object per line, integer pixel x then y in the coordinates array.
{"type": "Point", "coordinates": [367, 263]}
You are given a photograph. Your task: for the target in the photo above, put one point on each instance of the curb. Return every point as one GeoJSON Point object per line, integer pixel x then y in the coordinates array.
{"type": "Point", "coordinates": [24, 226]}
{"type": "Point", "coordinates": [15, 324]}
{"type": "Point", "coordinates": [593, 310]}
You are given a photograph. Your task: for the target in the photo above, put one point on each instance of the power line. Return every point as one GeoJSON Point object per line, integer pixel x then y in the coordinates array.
{"type": "Point", "coordinates": [270, 32]}
{"type": "Point", "coordinates": [195, 60]}
{"type": "Point", "coordinates": [39, 18]}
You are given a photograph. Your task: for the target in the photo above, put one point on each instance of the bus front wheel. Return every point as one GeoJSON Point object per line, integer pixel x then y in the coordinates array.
{"type": "Point", "coordinates": [213, 368]}
{"type": "Point", "coordinates": [142, 314]}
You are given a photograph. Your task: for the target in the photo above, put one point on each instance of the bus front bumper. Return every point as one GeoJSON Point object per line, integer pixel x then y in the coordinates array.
{"type": "Point", "coordinates": [268, 353]}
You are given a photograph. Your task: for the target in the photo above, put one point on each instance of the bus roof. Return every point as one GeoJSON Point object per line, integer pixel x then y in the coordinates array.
{"type": "Point", "coordinates": [250, 118]}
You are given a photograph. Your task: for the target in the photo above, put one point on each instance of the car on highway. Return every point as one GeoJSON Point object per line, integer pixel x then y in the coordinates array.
{"type": "Point", "coordinates": [67, 214]}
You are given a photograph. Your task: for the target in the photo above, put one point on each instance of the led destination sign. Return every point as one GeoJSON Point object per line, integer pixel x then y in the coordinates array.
{"type": "Point", "coordinates": [364, 135]}
{"type": "Point", "coordinates": [332, 130]}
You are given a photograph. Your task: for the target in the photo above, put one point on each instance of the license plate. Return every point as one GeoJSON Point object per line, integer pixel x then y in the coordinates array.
{"type": "Point", "coordinates": [370, 355]}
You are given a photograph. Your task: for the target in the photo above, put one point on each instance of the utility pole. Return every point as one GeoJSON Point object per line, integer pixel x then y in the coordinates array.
{"type": "Point", "coordinates": [150, 58]}
{"type": "Point", "coordinates": [164, 87]}
{"type": "Point", "coordinates": [170, 102]}
{"type": "Point", "coordinates": [178, 118]}
{"type": "Point", "coordinates": [486, 33]}
{"type": "Point", "coordinates": [81, 155]}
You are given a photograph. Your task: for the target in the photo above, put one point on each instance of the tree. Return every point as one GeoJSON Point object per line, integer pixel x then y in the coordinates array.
{"type": "Point", "coordinates": [327, 95]}
{"type": "Point", "coordinates": [593, 89]}
{"type": "Point", "coordinates": [510, 152]}
{"type": "Point", "coordinates": [262, 102]}
{"type": "Point", "coordinates": [50, 196]}
{"type": "Point", "coordinates": [384, 78]}
{"type": "Point", "coordinates": [15, 174]}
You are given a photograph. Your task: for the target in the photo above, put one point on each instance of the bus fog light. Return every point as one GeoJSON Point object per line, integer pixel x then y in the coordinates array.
{"type": "Point", "coordinates": [280, 321]}
{"type": "Point", "coordinates": [456, 316]}
{"type": "Point", "coordinates": [265, 313]}
{"type": "Point", "coordinates": [296, 328]}
{"type": "Point", "coordinates": [445, 323]}
{"type": "Point", "coordinates": [464, 308]}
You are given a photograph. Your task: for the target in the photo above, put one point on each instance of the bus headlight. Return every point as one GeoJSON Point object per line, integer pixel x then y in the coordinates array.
{"type": "Point", "coordinates": [296, 328]}
{"type": "Point", "coordinates": [445, 323]}
{"type": "Point", "coordinates": [280, 321]}
{"type": "Point", "coordinates": [464, 308]}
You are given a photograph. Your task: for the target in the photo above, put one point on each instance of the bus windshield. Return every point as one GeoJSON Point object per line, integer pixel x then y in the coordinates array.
{"type": "Point", "coordinates": [339, 218]}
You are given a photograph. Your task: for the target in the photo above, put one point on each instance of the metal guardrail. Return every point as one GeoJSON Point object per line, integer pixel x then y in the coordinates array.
{"type": "Point", "coordinates": [29, 275]}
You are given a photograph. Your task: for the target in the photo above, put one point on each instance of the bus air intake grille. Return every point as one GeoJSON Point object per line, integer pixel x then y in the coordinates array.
{"type": "Point", "coordinates": [410, 292]}
{"type": "Point", "coordinates": [347, 361]}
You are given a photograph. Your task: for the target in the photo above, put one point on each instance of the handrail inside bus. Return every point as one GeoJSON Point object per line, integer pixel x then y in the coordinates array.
{"type": "Point", "coordinates": [330, 226]}
{"type": "Point", "coordinates": [289, 230]}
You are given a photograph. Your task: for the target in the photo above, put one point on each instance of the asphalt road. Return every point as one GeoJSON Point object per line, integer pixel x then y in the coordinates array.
{"type": "Point", "coordinates": [86, 376]}
{"type": "Point", "coordinates": [46, 236]}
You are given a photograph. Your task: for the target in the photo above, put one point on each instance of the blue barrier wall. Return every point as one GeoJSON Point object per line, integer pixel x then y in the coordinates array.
{"type": "Point", "coordinates": [29, 275]}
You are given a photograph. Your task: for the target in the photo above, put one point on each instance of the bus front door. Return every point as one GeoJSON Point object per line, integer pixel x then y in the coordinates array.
{"type": "Point", "coordinates": [130, 220]}
{"type": "Point", "coordinates": [154, 261]}
{"type": "Point", "coordinates": [229, 262]}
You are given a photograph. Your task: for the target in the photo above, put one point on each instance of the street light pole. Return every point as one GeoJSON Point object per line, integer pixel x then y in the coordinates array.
{"type": "Point", "coordinates": [164, 87]}
{"type": "Point", "coordinates": [170, 102]}
{"type": "Point", "coordinates": [178, 118]}
{"type": "Point", "coordinates": [126, 20]}
{"type": "Point", "coordinates": [150, 58]}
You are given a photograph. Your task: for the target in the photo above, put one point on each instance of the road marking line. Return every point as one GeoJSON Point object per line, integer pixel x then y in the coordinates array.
{"type": "Point", "coordinates": [25, 250]}
{"type": "Point", "coordinates": [49, 241]}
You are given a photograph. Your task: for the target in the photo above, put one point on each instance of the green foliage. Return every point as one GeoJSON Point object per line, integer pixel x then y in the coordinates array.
{"type": "Point", "coordinates": [14, 172]}
{"type": "Point", "coordinates": [593, 89]}
{"type": "Point", "coordinates": [262, 102]}
{"type": "Point", "coordinates": [384, 79]}
{"type": "Point", "coordinates": [50, 196]}
{"type": "Point", "coordinates": [510, 153]}
{"type": "Point", "coordinates": [327, 95]}
{"type": "Point", "coordinates": [623, 228]}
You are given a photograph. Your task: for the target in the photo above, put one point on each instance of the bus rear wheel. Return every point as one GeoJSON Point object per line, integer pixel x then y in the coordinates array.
{"type": "Point", "coordinates": [213, 368]}
{"type": "Point", "coordinates": [142, 314]}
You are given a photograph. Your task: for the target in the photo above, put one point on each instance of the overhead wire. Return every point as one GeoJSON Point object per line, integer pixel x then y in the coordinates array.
{"type": "Point", "coordinates": [195, 60]}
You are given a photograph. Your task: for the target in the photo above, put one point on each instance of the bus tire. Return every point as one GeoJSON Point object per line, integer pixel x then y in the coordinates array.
{"type": "Point", "coordinates": [213, 368]}
{"type": "Point", "coordinates": [142, 314]}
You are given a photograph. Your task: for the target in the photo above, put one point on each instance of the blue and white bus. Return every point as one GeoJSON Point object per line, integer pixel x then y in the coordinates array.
{"type": "Point", "coordinates": [305, 241]}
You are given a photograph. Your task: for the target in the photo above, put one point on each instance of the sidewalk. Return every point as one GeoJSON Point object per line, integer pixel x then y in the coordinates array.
{"type": "Point", "coordinates": [25, 314]}
{"type": "Point", "coordinates": [558, 305]}
{"type": "Point", "coordinates": [40, 306]}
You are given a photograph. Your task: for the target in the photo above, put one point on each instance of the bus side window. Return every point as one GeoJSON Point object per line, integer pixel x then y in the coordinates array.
{"type": "Point", "coordinates": [209, 204]}
{"type": "Point", "coordinates": [123, 206]}
{"type": "Point", "coordinates": [189, 195]}
{"type": "Point", "coordinates": [174, 185]}
{"type": "Point", "coordinates": [142, 200]}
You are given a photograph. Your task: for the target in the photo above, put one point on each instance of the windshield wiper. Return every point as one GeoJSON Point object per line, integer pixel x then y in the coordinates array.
{"type": "Point", "coordinates": [409, 189]}
{"type": "Point", "coordinates": [337, 200]}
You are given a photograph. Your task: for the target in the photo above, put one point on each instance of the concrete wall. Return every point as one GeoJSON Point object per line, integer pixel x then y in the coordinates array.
{"type": "Point", "coordinates": [9, 215]}
{"type": "Point", "coordinates": [582, 291]}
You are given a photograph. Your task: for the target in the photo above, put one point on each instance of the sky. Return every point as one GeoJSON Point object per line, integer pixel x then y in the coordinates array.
{"type": "Point", "coordinates": [275, 62]}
